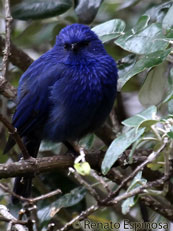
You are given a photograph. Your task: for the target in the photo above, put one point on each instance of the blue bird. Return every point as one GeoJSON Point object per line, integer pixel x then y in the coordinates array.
{"type": "Point", "coordinates": [65, 94]}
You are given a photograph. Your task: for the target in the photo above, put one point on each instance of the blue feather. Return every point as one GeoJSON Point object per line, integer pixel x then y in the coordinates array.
{"type": "Point", "coordinates": [67, 92]}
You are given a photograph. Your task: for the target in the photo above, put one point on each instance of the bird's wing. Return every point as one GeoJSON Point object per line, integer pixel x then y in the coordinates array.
{"type": "Point", "coordinates": [33, 97]}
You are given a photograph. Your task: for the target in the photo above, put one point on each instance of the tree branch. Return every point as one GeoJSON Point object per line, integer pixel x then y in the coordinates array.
{"type": "Point", "coordinates": [149, 159]}
{"type": "Point", "coordinates": [17, 57]}
{"type": "Point", "coordinates": [65, 161]}
{"type": "Point", "coordinates": [6, 52]}
{"type": "Point", "coordinates": [162, 208]}
{"type": "Point", "coordinates": [11, 53]}
{"type": "Point", "coordinates": [13, 132]}
{"type": "Point", "coordinates": [5, 87]}
{"type": "Point", "coordinates": [30, 200]}
{"type": "Point", "coordinates": [81, 216]}
{"type": "Point", "coordinates": [13, 221]}
{"type": "Point", "coordinates": [117, 199]}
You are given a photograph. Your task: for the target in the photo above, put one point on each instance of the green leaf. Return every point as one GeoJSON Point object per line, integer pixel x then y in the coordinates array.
{"type": "Point", "coordinates": [36, 33]}
{"type": "Point", "coordinates": [155, 86]}
{"type": "Point", "coordinates": [157, 12]}
{"type": "Point", "coordinates": [118, 146]}
{"type": "Point", "coordinates": [168, 19]}
{"type": "Point", "coordinates": [155, 165]}
{"type": "Point", "coordinates": [141, 24]}
{"type": "Point", "coordinates": [128, 204]}
{"type": "Point", "coordinates": [170, 106]}
{"type": "Point", "coordinates": [87, 141]}
{"type": "Point", "coordinates": [87, 10]}
{"type": "Point", "coordinates": [48, 146]}
{"type": "Point", "coordinates": [135, 145]}
{"type": "Point", "coordinates": [169, 97]}
{"type": "Point", "coordinates": [170, 134]}
{"type": "Point", "coordinates": [145, 115]}
{"type": "Point", "coordinates": [147, 124]}
{"type": "Point", "coordinates": [137, 181]}
{"type": "Point", "coordinates": [170, 79]}
{"type": "Point", "coordinates": [170, 88]}
{"type": "Point", "coordinates": [67, 200]}
{"type": "Point", "coordinates": [38, 9]}
{"type": "Point", "coordinates": [131, 201]}
{"type": "Point", "coordinates": [125, 64]}
{"type": "Point", "coordinates": [127, 4]}
{"type": "Point", "coordinates": [110, 29]}
{"type": "Point", "coordinates": [70, 199]}
{"type": "Point", "coordinates": [145, 62]}
{"type": "Point", "coordinates": [169, 34]}
{"type": "Point", "coordinates": [147, 41]}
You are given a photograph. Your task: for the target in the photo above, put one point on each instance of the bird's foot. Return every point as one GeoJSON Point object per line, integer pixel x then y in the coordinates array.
{"type": "Point", "coordinates": [81, 157]}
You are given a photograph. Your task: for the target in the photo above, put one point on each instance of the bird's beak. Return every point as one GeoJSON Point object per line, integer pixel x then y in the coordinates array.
{"type": "Point", "coordinates": [74, 46]}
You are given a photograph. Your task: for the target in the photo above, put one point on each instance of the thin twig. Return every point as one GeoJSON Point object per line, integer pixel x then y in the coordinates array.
{"type": "Point", "coordinates": [45, 196]}
{"type": "Point", "coordinates": [30, 200]}
{"type": "Point", "coordinates": [14, 222]}
{"type": "Point", "coordinates": [51, 227]}
{"type": "Point", "coordinates": [5, 87]}
{"type": "Point", "coordinates": [150, 158]}
{"type": "Point", "coordinates": [116, 200]}
{"type": "Point", "coordinates": [89, 187]}
{"type": "Point", "coordinates": [16, 136]}
{"type": "Point", "coordinates": [28, 212]}
{"type": "Point", "coordinates": [100, 180]}
{"type": "Point", "coordinates": [161, 208]}
{"type": "Point", "coordinates": [7, 190]}
{"type": "Point", "coordinates": [115, 123]}
{"type": "Point", "coordinates": [8, 20]}
{"type": "Point", "coordinates": [80, 217]}
{"type": "Point", "coordinates": [5, 213]}
{"type": "Point", "coordinates": [17, 57]}
{"type": "Point", "coordinates": [139, 190]}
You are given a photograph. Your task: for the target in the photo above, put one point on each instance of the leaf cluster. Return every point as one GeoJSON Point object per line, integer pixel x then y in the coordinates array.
{"type": "Point", "coordinates": [139, 35]}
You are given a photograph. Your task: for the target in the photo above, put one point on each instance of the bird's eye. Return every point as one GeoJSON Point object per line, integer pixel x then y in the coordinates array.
{"type": "Point", "coordinates": [67, 46]}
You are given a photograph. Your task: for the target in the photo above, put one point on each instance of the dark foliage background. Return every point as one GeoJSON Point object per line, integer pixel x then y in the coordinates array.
{"type": "Point", "coordinates": [139, 35]}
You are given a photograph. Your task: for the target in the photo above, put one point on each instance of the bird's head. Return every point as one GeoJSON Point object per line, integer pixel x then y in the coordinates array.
{"type": "Point", "coordinates": [79, 40]}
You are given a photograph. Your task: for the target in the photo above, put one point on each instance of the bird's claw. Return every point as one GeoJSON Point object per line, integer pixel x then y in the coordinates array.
{"type": "Point", "coordinates": [81, 157]}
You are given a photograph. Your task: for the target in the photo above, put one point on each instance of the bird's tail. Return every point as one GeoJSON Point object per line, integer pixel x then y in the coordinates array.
{"type": "Point", "coordinates": [22, 187]}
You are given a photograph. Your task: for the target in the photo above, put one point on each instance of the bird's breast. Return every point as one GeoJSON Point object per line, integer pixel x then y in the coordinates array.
{"type": "Point", "coordinates": [75, 99]}
{"type": "Point", "coordinates": [81, 99]}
